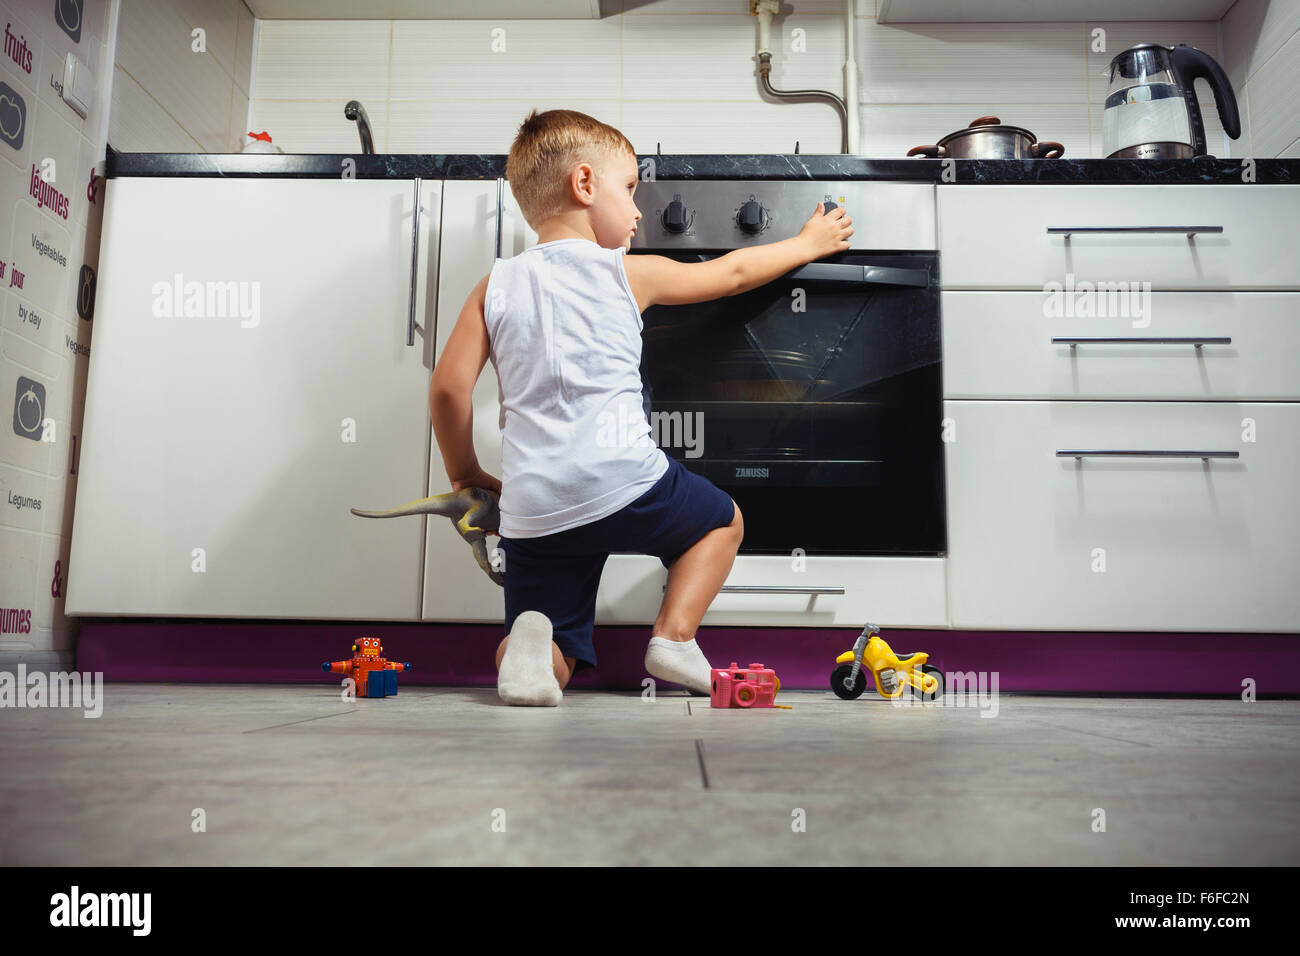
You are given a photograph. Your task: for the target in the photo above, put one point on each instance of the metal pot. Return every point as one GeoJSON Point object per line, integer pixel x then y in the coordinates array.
{"type": "Point", "coordinates": [985, 138]}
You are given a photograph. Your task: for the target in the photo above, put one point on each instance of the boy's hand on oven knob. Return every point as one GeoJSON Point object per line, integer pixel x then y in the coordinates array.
{"type": "Point", "coordinates": [827, 232]}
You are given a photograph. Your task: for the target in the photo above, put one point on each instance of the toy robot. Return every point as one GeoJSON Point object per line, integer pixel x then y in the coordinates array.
{"type": "Point", "coordinates": [373, 675]}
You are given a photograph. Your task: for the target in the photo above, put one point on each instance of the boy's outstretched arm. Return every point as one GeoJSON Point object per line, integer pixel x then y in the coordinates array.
{"type": "Point", "coordinates": [659, 280]}
{"type": "Point", "coordinates": [451, 391]}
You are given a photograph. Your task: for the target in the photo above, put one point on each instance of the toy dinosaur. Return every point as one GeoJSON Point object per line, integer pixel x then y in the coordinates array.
{"type": "Point", "coordinates": [472, 510]}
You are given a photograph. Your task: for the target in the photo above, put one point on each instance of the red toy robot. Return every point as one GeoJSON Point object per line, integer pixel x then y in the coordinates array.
{"type": "Point", "coordinates": [752, 686]}
{"type": "Point", "coordinates": [374, 676]}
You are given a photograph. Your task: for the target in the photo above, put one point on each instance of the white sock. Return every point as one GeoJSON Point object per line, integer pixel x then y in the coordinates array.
{"type": "Point", "coordinates": [527, 677]}
{"type": "Point", "coordinates": [681, 662]}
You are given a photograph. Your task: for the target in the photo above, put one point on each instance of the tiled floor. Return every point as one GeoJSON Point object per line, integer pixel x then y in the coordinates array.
{"type": "Point", "coordinates": [291, 774]}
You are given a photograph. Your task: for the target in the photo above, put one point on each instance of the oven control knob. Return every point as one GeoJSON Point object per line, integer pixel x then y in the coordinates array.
{"type": "Point", "coordinates": [829, 206]}
{"type": "Point", "coordinates": [750, 217]}
{"type": "Point", "coordinates": [674, 216]}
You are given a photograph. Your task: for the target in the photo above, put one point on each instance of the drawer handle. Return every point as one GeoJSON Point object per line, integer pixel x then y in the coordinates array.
{"type": "Point", "coordinates": [415, 264]}
{"type": "Point", "coordinates": [501, 192]}
{"type": "Point", "coordinates": [1197, 340]}
{"type": "Point", "coordinates": [1190, 230]}
{"type": "Point", "coordinates": [1142, 453]}
{"type": "Point", "coordinates": [775, 589]}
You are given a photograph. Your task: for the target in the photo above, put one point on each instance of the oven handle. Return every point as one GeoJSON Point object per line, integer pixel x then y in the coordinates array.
{"type": "Point", "coordinates": [874, 275]}
{"type": "Point", "coordinates": [842, 272]}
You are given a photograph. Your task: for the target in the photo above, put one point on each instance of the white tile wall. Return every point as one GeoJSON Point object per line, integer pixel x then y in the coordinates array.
{"type": "Point", "coordinates": [43, 248]}
{"type": "Point", "coordinates": [1261, 43]}
{"type": "Point", "coordinates": [682, 74]}
{"type": "Point", "coordinates": [167, 97]}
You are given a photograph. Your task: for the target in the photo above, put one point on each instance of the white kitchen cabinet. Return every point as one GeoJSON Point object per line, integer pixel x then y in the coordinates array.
{"type": "Point", "coordinates": [1000, 345]}
{"type": "Point", "coordinates": [996, 237]}
{"type": "Point", "coordinates": [455, 587]}
{"type": "Point", "coordinates": [1187, 544]}
{"type": "Point", "coordinates": [217, 467]}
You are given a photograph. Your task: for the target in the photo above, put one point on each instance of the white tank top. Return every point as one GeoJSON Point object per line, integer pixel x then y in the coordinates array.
{"type": "Point", "coordinates": [565, 332]}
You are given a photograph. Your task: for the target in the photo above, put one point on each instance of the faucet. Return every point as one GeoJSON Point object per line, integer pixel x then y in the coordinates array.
{"type": "Point", "coordinates": [355, 111]}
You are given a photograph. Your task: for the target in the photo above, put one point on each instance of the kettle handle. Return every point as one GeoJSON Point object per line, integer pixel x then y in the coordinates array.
{"type": "Point", "coordinates": [1190, 63]}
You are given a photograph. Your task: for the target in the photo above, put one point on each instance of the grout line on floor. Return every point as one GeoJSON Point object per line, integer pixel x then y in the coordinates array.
{"type": "Point", "coordinates": [303, 721]}
{"type": "Point", "coordinates": [1122, 740]}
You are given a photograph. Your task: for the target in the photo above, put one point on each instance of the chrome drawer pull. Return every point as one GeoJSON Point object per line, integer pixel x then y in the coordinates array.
{"type": "Point", "coordinates": [1197, 340]}
{"type": "Point", "coordinates": [1190, 230]}
{"type": "Point", "coordinates": [501, 192]}
{"type": "Point", "coordinates": [774, 589]}
{"type": "Point", "coordinates": [415, 264]}
{"type": "Point", "coordinates": [1142, 453]}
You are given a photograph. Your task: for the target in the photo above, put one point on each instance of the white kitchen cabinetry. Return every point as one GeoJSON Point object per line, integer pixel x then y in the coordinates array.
{"type": "Point", "coordinates": [1044, 532]}
{"type": "Point", "coordinates": [1041, 541]}
{"type": "Point", "coordinates": [455, 587]}
{"type": "Point", "coordinates": [216, 472]}
{"type": "Point", "coordinates": [996, 237]}
{"type": "Point", "coordinates": [1010, 345]}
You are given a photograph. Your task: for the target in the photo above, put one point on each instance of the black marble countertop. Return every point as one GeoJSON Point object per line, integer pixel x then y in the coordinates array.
{"type": "Point", "coordinates": [811, 166]}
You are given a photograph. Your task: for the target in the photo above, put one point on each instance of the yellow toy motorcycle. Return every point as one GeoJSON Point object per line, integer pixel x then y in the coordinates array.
{"type": "Point", "coordinates": [893, 672]}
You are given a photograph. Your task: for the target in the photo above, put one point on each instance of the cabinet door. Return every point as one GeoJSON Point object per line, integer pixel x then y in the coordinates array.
{"type": "Point", "coordinates": [1146, 543]}
{"type": "Point", "coordinates": [250, 382]}
{"type": "Point", "coordinates": [455, 587]}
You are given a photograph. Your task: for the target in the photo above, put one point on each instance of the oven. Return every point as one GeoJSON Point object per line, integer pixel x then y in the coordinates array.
{"type": "Point", "coordinates": [815, 401]}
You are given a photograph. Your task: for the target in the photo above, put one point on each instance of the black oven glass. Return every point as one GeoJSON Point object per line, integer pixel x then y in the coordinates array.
{"type": "Point", "coordinates": [816, 403]}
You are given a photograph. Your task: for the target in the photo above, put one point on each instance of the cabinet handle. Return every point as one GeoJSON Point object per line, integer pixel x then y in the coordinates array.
{"type": "Point", "coordinates": [415, 264]}
{"type": "Point", "coordinates": [1142, 453]}
{"type": "Point", "coordinates": [1190, 230]}
{"type": "Point", "coordinates": [775, 589]}
{"type": "Point", "coordinates": [501, 193]}
{"type": "Point", "coordinates": [1197, 340]}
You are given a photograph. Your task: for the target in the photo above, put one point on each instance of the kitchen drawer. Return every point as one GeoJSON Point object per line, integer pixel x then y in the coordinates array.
{"type": "Point", "coordinates": [902, 592]}
{"type": "Point", "coordinates": [999, 345]}
{"type": "Point", "coordinates": [1187, 544]}
{"type": "Point", "coordinates": [995, 237]}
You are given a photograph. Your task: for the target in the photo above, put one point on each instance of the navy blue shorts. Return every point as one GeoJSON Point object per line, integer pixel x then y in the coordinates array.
{"type": "Point", "coordinates": [558, 574]}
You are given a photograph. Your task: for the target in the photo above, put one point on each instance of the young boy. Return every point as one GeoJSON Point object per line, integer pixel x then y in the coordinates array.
{"type": "Point", "coordinates": [562, 324]}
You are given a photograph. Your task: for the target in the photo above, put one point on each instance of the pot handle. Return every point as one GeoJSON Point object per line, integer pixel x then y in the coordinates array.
{"type": "Point", "coordinates": [986, 121]}
{"type": "Point", "coordinates": [1046, 150]}
{"type": "Point", "coordinates": [929, 152]}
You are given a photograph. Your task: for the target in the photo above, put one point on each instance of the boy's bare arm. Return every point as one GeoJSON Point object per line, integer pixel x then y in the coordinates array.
{"type": "Point", "coordinates": [659, 280]}
{"type": "Point", "coordinates": [451, 389]}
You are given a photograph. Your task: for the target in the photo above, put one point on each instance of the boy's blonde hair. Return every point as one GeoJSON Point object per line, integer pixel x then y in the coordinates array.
{"type": "Point", "coordinates": [544, 152]}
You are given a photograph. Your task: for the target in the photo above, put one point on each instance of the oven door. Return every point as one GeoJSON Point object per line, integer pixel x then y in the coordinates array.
{"type": "Point", "coordinates": [814, 401]}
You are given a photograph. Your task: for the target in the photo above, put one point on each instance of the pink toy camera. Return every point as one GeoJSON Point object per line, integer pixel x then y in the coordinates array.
{"type": "Point", "coordinates": [752, 686]}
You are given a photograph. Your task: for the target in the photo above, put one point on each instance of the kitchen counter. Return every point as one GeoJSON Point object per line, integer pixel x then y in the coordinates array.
{"type": "Point", "coordinates": [1206, 170]}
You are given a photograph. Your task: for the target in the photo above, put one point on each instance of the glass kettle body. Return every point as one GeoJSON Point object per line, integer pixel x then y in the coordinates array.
{"type": "Point", "coordinates": [1151, 110]}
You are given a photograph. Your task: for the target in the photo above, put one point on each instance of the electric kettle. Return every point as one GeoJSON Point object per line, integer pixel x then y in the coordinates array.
{"type": "Point", "coordinates": [1151, 110]}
